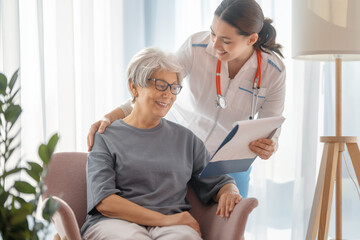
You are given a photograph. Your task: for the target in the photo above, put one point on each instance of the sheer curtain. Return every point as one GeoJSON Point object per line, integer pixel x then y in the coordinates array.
{"type": "Point", "coordinates": [282, 183]}
{"type": "Point", "coordinates": [71, 68]}
{"type": "Point", "coordinates": [73, 54]}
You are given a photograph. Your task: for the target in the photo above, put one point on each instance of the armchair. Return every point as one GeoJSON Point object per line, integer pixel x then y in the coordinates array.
{"type": "Point", "coordinates": [66, 182]}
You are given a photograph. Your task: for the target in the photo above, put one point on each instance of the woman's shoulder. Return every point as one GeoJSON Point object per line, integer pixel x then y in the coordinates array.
{"type": "Point", "coordinates": [183, 134]}
{"type": "Point", "coordinates": [116, 125]}
{"type": "Point", "coordinates": [173, 125]}
{"type": "Point", "coordinates": [176, 127]}
{"type": "Point", "coordinates": [116, 128]}
{"type": "Point", "coordinates": [199, 39]}
{"type": "Point", "coordinates": [273, 61]}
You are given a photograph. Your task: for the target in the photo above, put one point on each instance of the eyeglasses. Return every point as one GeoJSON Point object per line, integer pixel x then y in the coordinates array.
{"type": "Point", "coordinates": [162, 85]}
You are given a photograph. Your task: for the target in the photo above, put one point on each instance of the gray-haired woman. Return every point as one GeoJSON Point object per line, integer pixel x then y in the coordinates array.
{"type": "Point", "coordinates": [138, 170]}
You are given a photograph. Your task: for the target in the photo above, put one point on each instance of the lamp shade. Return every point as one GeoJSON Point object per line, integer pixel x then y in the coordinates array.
{"type": "Point", "coordinates": [326, 29]}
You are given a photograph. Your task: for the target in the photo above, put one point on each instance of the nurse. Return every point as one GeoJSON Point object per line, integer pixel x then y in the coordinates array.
{"type": "Point", "coordinates": [239, 47]}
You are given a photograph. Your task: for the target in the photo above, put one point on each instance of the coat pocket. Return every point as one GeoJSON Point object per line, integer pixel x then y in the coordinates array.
{"type": "Point", "coordinates": [243, 99]}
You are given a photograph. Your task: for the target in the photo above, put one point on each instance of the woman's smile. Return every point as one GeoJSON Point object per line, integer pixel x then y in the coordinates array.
{"type": "Point", "coordinates": [162, 104]}
{"type": "Point", "coordinates": [221, 53]}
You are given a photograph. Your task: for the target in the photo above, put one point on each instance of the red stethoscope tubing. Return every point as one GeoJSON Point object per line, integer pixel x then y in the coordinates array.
{"type": "Point", "coordinates": [218, 71]}
{"type": "Point", "coordinates": [258, 73]}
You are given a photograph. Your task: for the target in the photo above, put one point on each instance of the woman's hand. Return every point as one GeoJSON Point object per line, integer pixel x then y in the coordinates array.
{"type": "Point", "coordinates": [263, 147]}
{"type": "Point", "coordinates": [98, 126]}
{"type": "Point", "coordinates": [227, 203]}
{"type": "Point", "coordinates": [183, 218]}
{"type": "Point", "coordinates": [114, 206]}
{"type": "Point", "coordinates": [227, 197]}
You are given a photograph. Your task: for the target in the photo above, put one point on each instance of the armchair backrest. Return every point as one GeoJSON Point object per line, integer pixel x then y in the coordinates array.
{"type": "Point", "coordinates": [66, 179]}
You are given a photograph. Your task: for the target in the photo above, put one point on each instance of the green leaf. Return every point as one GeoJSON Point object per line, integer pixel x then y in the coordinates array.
{"type": "Point", "coordinates": [33, 174]}
{"type": "Point", "coordinates": [13, 79]}
{"type": "Point", "coordinates": [17, 217]}
{"type": "Point", "coordinates": [3, 84]}
{"type": "Point", "coordinates": [12, 113]}
{"type": "Point", "coordinates": [15, 170]}
{"type": "Point", "coordinates": [50, 208]}
{"type": "Point", "coordinates": [24, 187]}
{"type": "Point", "coordinates": [3, 197]}
{"type": "Point", "coordinates": [3, 219]}
{"type": "Point", "coordinates": [11, 99]}
{"type": "Point", "coordinates": [20, 234]}
{"type": "Point", "coordinates": [20, 200]}
{"type": "Point", "coordinates": [27, 208]}
{"type": "Point", "coordinates": [52, 143]}
{"type": "Point", "coordinates": [44, 153]}
{"type": "Point", "coordinates": [35, 167]}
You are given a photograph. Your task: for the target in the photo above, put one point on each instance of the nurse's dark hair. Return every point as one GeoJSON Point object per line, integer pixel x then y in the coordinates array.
{"type": "Point", "coordinates": [247, 16]}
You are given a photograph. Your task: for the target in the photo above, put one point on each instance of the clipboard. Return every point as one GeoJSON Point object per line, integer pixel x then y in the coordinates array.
{"type": "Point", "coordinates": [233, 154]}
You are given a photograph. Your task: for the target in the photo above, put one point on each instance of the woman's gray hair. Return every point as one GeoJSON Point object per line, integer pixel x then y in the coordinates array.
{"type": "Point", "coordinates": [149, 60]}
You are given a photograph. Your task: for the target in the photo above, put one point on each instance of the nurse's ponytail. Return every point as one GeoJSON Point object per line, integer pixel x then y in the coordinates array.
{"type": "Point", "coordinates": [248, 18]}
{"type": "Point", "coordinates": [266, 40]}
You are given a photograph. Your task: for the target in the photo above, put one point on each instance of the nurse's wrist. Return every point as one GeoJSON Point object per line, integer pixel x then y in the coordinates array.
{"type": "Point", "coordinates": [106, 119]}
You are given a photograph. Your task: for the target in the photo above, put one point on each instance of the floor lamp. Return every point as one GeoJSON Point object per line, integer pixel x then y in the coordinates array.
{"type": "Point", "coordinates": [328, 30]}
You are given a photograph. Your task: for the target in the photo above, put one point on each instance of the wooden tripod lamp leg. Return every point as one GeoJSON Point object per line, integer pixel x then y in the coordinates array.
{"type": "Point", "coordinates": [355, 158]}
{"type": "Point", "coordinates": [314, 219]}
{"type": "Point", "coordinates": [328, 190]}
{"type": "Point", "coordinates": [338, 211]}
{"type": "Point", "coordinates": [325, 184]}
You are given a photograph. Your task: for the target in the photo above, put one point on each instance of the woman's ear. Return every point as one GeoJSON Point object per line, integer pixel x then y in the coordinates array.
{"type": "Point", "coordinates": [133, 89]}
{"type": "Point", "coordinates": [253, 39]}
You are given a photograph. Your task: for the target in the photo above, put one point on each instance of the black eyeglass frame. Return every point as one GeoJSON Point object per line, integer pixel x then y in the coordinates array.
{"type": "Point", "coordinates": [168, 85]}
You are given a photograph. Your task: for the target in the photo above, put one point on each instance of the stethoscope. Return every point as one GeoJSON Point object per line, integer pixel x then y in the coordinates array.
{"type": "Point", "coordinates": [220, 99]}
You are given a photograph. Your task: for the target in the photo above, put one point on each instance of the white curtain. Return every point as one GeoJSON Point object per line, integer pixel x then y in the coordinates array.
{"type": "Point", "coordinates": [73, 54]}
{"type": "Point", "coordinates": [71, 68]}
{"type": "Point", "coordinates": [282, 183]}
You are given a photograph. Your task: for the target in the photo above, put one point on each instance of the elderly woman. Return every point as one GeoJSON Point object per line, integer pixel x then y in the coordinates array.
{"type": "Point", "coordinates": [138, 170]}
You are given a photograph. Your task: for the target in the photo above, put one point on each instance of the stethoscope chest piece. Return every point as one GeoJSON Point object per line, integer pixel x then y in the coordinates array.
{"type": "Point", "coordinates": [220, 99]}
{"type": "Point", "coordinates": [220, 102]}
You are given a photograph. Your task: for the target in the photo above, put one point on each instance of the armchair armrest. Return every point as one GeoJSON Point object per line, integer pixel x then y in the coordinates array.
{"type": "Point", "coordinates": [65, 221]}
{"type": "Point", "coordinates": [214, 227]}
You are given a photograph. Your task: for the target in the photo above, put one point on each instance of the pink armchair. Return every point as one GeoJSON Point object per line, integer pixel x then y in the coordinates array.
{"type": "Point", "coordinates": [66, 182]}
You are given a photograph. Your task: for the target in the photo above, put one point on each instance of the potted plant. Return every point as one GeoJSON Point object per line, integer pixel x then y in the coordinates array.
{"type": "Point", "coordinates": [19, 198]}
